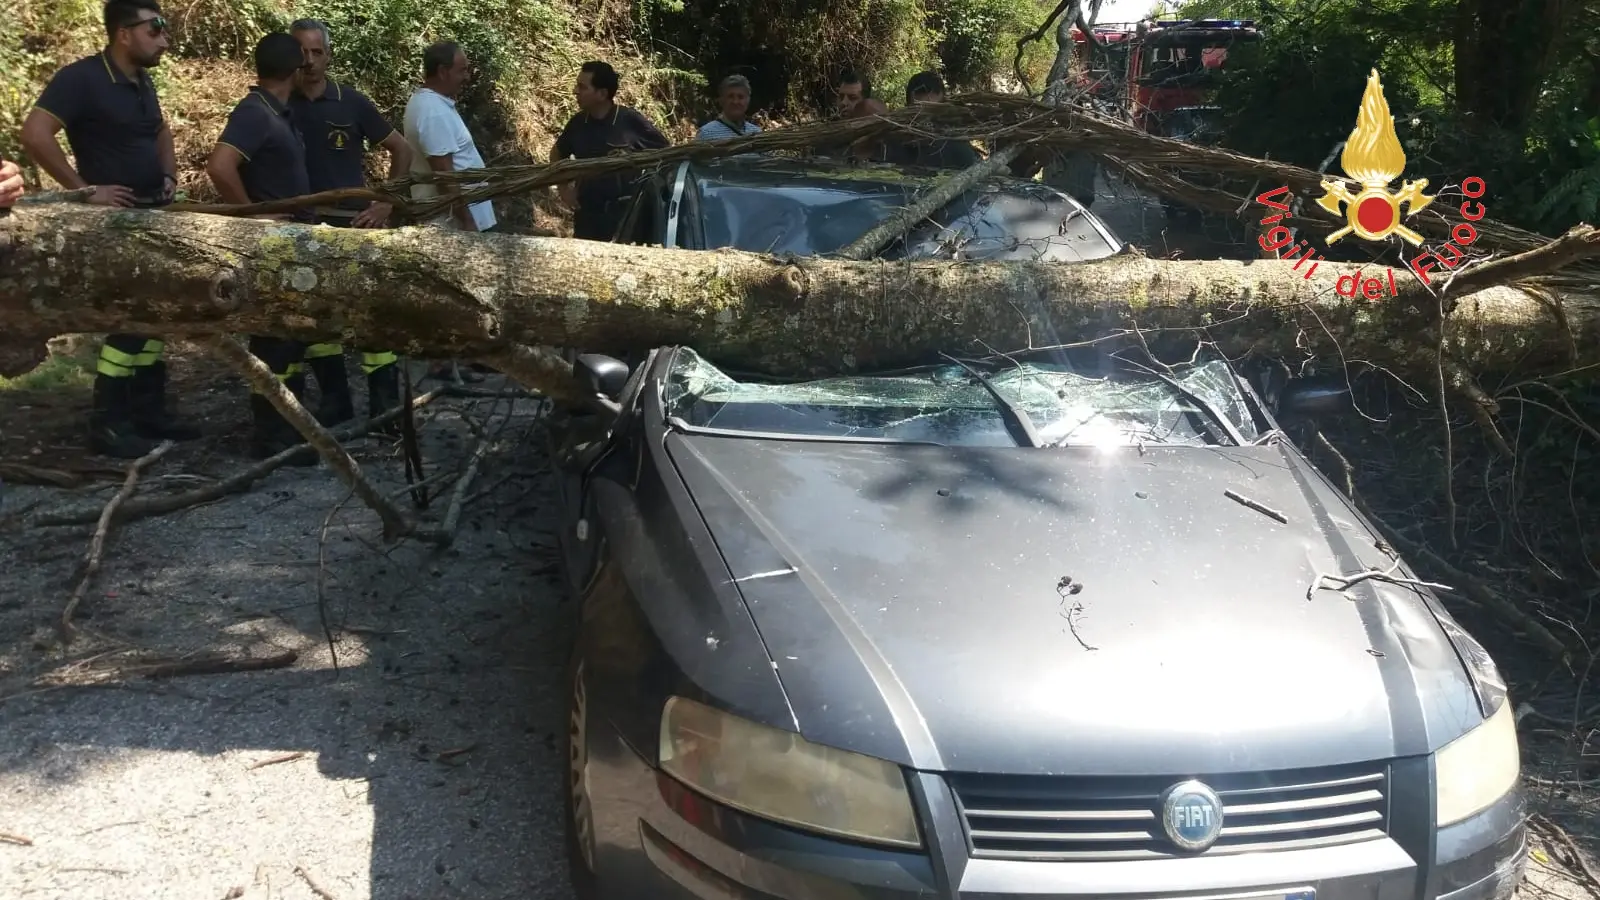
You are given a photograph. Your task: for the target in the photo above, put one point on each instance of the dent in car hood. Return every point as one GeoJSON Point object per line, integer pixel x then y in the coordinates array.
{"type": "Point", "coordinates": [918, 604]}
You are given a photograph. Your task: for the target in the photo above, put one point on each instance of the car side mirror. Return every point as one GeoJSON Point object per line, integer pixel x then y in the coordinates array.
{"type": "Point", "coordinates": [600, 374]}
{"type": "Point", "coordinates": [1314, 396]}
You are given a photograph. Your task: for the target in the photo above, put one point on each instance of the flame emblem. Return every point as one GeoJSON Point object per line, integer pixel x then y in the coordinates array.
{"type": "Point", "coordinates": [1373, 158]}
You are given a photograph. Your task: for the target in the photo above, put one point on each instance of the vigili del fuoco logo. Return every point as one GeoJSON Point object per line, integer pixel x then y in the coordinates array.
{"type": "Point", "coordinates": [1373, 159]}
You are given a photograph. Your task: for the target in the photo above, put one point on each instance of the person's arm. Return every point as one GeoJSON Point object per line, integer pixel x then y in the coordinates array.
{"type": "Point", "coordinates": [39, 140]}
{"type": "Point", "coordinates": [61, 103]}
{"type": "Point", "coordinates": [241, 137]}
{"type": "Point", "coordinates": [222, 167]}
{"type": "Point", "coordinates": [399, 155]}
{"type": "Point", "coordinates": [372, 122]}
{"type": "Point", "coordinates": [461, 212]}
{"type": "Point", "coordinates": [436, 139]}
{"type": "Point", "coordinates": [168, 155]}
{"type": "Point", "coordinates": [566, 190]}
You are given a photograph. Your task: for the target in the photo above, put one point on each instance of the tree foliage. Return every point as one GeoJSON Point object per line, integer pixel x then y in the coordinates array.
{"type": "Point", "coordinates": [1505, 89]}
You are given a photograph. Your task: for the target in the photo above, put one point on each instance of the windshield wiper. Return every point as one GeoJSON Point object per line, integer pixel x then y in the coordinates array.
{"type": "Point", "coordinates": [1205, 406]}
{"type": "Point", "coordinates": [1016, 418]}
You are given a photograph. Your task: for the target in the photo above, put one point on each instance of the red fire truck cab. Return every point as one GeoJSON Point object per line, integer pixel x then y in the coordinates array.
{"type": "Point", "coordinates": [1174, 64]}
{"type": "Point", "coordinates": [1102, 66]}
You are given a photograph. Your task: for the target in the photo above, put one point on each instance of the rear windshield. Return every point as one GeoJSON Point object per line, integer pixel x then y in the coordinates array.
{"type": "Point", "coordinates": [1021, 222]}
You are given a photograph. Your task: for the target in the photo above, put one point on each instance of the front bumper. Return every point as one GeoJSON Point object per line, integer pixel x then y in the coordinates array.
{"type": "Point", "coordinates": [658, 839]}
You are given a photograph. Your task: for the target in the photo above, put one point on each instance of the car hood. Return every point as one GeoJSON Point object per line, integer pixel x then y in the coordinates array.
{"type": "Point", "coordinates": [1074, 611]}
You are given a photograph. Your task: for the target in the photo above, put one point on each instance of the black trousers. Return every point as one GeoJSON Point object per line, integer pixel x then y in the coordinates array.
{"type": "Point", "coordinates": [598, 222]}
{"type": "Point", "coordinates": [122, 354]}
{"type": "Point", "coordinates": [282, 355]}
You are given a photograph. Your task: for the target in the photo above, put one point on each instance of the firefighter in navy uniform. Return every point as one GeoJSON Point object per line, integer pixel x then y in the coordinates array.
{"type": "Point", "coordinates": [339, 124]}
{"type": "Point", "coordinates": [260, 156]}
{"type": "Point", "coordinates": [122, 148]}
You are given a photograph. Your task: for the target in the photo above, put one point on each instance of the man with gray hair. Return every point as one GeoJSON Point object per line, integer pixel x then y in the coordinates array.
{"type": "Point", "coordinates": [733, 98]}
{"type": "Point", "coordinates": [339, 124]}
{"type": "Point", "coordinates": [441, 142]}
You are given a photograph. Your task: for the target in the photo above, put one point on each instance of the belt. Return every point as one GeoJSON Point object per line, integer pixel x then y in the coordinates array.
{"type": "Point", "coordinates": [336, 212]}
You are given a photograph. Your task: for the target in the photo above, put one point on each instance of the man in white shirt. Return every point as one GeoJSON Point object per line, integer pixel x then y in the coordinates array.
{"type": "Point", "coordinates": [440, 142]}
{"type": "Point", "coordinates": [439, 139]}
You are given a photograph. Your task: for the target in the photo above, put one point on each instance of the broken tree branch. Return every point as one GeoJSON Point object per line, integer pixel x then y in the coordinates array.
{"type": "Point", "coordinates": [145, 507]}
{"type": "Point", "coordinates": [444, 534]}
{"type": "Point", "coordinates": [396, 524]}
{"type": "Point", "coordinates": [1579, 243]}
{"type": "Point", "coordinates": [949, 188]}
{"type": "Point", "coordinates": [439, 293]}
{"type": "Point", "coordinates": [97, 544]}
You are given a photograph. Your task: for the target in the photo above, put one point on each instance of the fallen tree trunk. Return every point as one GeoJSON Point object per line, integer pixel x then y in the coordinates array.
{"type": "Point", "coordinates": [73, 268]}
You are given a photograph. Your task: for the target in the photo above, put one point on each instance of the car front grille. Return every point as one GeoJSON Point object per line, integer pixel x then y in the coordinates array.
{"type": "Point", "coordinates": [1108, 818]}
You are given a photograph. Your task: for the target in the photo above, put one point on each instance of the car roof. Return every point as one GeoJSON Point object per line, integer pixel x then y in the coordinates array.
{"type": "Point", "coordinates": [825, 172]}
{"type": "Point", "coordinates": [1029, 231]}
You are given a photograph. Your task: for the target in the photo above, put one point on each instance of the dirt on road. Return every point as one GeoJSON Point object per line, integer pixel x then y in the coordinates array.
{"type": "Point", "coordinates": [428, 765]}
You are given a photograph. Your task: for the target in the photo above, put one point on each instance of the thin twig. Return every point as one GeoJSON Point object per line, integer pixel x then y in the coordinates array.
{"type": "Point", "coordinates": [102, 529]}
{"type": "Point", "coordinates": [1327, 582]}
{"type": "Point", "coordinates": [1265, 510]}
{"type": "Point", "coordinates": [445, 534]}
{"type": "Point", "coordinates": [276, 760]}
{"type": "Point", "coordinates": [145, 507]}
{"type": "Point", "coordinates": [1565, 840]}
{"type": "Point", "coordinates": [322, 572]}
{"type": "Point", "coordinates": [311, 883]}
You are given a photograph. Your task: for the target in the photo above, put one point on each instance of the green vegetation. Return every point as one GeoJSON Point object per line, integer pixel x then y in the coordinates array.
{"type": "Point", "coordinates": [1508, 90]}
{"type": "Point", "coordinates": [73, 369]}
{"type": "Point", "coordinates": [526, 54]}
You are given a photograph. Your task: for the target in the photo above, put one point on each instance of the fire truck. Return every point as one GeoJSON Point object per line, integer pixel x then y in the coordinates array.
{"type": "Point", "coordinates": [1174, 64]}
{"type": "Point", "coordinates": [1102, 67]}
{"type": "Point", "coordinates": [1153, 68]}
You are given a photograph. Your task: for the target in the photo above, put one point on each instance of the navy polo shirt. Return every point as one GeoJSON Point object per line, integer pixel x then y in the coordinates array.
{"type": "Point", "coordinates": [339, 127]}
{"type": "Point", "coordinates": [264, 133]}
{"type": "Point", "coordinates": [586, 138]}
{"type": "Point", "coordinates": [111, 121]}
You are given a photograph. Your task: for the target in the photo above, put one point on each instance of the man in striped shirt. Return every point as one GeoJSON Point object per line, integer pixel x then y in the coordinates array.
{"type": "Point", "coordinates": [733, 97]}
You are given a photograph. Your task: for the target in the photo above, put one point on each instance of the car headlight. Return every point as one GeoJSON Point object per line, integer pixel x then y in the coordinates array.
{"type": "Point", "coordinates": [1478, 768]}
{"type": "Point", "coordinates": [781, 776]}
{"type": "Point", "coordinates": [1487, 681]}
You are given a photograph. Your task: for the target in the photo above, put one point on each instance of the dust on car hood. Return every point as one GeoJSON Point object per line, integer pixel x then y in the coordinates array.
{"type": "Point", "coordinates": [1073, 610]}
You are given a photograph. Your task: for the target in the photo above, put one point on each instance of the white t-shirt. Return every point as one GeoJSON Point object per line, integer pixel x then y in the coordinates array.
{"type": "Point", "coordinates": [434, 128]}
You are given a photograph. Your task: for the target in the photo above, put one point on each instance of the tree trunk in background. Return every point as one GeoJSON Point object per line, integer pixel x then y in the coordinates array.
{"type": "Point", "coordinates": [425, 292]}
{"type": "Point", "coordinates": [1504, 50]}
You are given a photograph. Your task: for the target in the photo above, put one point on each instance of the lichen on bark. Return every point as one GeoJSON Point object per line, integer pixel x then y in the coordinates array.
{"type": "Point", "coordinates": [75, 268]}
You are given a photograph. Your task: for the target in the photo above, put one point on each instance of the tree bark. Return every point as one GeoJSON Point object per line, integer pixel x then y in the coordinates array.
{"type": "Point", "coordinates": [75, 268]}
{"type": "Point", "coordinates": [1504, 50]}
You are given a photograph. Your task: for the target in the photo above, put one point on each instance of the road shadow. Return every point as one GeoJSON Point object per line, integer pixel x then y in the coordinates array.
{"type": "Point", "coordinates": [430, 764]}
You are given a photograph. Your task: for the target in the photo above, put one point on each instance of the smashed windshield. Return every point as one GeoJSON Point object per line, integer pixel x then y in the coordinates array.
{"type": "Point", "coordinates": [1104, 400]}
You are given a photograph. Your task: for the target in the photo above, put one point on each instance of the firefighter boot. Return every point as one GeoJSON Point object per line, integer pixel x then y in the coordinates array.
{"type": "Point", "coordinates": [336, 405]}
{"type": "Point", "coordinates": [111, 430]}
{"type": "Point", "coordinates": [150, 416]}
{"type": "Point", "coordinates": [383, 394]}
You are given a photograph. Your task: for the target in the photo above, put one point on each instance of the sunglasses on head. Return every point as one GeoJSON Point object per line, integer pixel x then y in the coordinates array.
{"type": "Point", "coordinates": [157, 24]}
